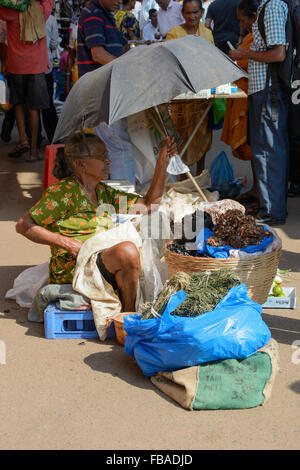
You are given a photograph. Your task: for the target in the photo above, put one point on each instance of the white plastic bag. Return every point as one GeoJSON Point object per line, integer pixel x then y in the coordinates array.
{"type": "Point", "coordinates": [28, 283]}
{"type": "Point", "coordinates": [154, 271]}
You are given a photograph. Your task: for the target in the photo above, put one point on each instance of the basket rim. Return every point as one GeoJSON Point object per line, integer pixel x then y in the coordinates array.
{"type": "Point", "coordinates": [208, 259]}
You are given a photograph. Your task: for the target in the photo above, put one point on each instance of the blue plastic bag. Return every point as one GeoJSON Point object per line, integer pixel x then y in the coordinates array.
{"type": "Point", "coordinates": [221, 171]}
{"type": "Point", "coordinates": [222, 177]}
{"type": "Point", "coordinates": [224, 251]}
{"type": "Point", "coordinates": [233, 330]}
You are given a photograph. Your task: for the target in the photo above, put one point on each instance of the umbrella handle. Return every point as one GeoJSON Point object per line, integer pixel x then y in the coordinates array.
{"type": "Point", "coordinates": [161, 120]}
{"type": "Point", "coordinates": [197, 186]}
{"type": "Point", "coordinates": [188, 173]}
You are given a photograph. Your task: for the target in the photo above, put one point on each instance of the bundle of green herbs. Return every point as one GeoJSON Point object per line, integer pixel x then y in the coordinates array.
{"type": "Point", "coordinates": [204, 291]}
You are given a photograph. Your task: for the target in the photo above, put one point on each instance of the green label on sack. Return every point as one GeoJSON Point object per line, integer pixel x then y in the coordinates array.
{"type": "Point", "coordinates": [232, 384]}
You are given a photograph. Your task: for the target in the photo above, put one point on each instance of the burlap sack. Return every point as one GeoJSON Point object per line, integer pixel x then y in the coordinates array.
{"type": "Point", "coordinates": [227, 384]}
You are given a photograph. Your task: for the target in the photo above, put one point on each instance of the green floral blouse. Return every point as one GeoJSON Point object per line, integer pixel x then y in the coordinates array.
{"type": "Point", "coordinates": [65, 209]}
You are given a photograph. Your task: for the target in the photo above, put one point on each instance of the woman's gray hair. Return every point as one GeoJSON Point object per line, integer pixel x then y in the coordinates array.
{"type": "Point", "coordinates": [76, 147]}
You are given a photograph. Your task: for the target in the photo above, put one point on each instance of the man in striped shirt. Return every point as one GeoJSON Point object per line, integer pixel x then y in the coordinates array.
{"type": "Point", "coordinates": [99, 40]}
{"type": "Point", "coordinates": [98, 43]}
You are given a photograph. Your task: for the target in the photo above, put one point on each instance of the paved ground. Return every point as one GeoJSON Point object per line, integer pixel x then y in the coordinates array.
{"type": "Point", "coordinates": [72, 394]}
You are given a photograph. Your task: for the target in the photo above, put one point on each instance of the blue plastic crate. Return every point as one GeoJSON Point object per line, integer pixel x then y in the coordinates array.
{"type": "Point", "coordinates": [70, 324]}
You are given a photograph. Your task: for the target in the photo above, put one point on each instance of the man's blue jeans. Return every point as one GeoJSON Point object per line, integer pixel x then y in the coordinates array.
{"type": "Point", "coordinates": [270, 148]}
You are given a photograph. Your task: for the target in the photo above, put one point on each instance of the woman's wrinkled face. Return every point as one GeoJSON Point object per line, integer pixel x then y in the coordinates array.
{"type": "Point", "coordinates": [97, 165]}
{"type": "Point", "coordinates": [246, 22]}
{"type": "Point", "coordinates": [192, 14]}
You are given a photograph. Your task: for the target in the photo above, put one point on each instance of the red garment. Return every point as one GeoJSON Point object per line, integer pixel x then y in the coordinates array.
{"type": "Point", "coordinates": [22, 58]}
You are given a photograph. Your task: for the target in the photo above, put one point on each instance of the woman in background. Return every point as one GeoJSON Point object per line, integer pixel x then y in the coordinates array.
{"type": "Point", "coordinates": [127, 22]}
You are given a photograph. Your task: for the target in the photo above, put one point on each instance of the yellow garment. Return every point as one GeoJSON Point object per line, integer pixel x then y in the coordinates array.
{"type": "Point", "coordinates": [235, 127]}
{"type": "Point", "coordinates": [75, 67]}
{"type": "Point", "coordinates": [183, 112]}
{"type": "Point", "coordinates": [119, 15]}
{"type": "Point", "coordinates": [179, 32]}
{"type": "Point", "coordinates": [32, 23]}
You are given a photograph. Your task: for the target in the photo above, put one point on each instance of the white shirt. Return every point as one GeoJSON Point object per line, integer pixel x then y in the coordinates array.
{"type": "Point", "coordinates": [169, 18]}
{"type": "Point", "coordinates": [73, 36]}
{"type": "Point", "coordinates": [144, 13]}
{"type": "Point", "coordinates": [205, 8]}
{"type": "Point", "coordinates": [149, 32]}
{"type": "Point", "coordinates": [52, 39]}
{"type": "Point", "coordinates": [137, 10]}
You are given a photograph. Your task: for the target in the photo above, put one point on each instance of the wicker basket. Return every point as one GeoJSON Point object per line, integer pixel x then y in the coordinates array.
{"type": "Point", "coordinates": [119, 327]}
{"type": "Point", "coordinates": [257, 272]}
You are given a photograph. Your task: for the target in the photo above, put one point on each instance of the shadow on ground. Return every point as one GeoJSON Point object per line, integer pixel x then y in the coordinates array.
{"type": "Point", "coordinates": [13, 193]}
{"type": "Point", "coordinates": [119, 364]}
{"type": "Point", "coordinates": [283, 329]}
{"type": "Point", "coordinates": [295, 387]}
{"type": "Point", "coordinates": [290, 260]}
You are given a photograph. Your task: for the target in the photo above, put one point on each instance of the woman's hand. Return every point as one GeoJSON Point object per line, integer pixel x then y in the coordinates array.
{"type": "Point", "coordinates": [27, 227]}
{"type": "Point", "coordinates": [72, 246]}
{"type": "Point", "coordinates": [168, 149]}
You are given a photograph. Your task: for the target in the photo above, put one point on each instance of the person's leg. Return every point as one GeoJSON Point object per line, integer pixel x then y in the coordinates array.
{"type": "Point", "coordinates": [34, 121]}
{"type": "Point", "coordinates": [17, 88]}
{"type": "Point", "coordinates": [37, 99]}
{"type": "Point", "coordinates": [254, 190]}
{"type": "Point", "coordinates": [270, 149]}
{"type": "Point", "coordinates": [251, 196]}
{"type": "Point", "coordinates": [19, 113]}
{"type": "Point", "coordinates": [49, 115]}
{"type": "Point", "coordinates": [8, 124]}
{"type": "Point", "coordinates": [123, 261]}
{"type": "Point", "coordinates": [27, 127]}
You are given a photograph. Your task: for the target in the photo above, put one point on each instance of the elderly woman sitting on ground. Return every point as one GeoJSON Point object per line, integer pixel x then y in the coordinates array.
{"type": "Point", "coordinates": [66, 215]}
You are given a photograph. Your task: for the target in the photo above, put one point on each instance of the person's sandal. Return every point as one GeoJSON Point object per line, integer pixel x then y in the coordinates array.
{"type": "Point", "coordinates": [271, 221]}
{"type": "Point", "coordinates": [19, 150]}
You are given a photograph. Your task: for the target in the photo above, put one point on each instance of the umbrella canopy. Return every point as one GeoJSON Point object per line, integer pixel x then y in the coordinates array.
{"type": "Point", "coordinates": [144, 77]}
